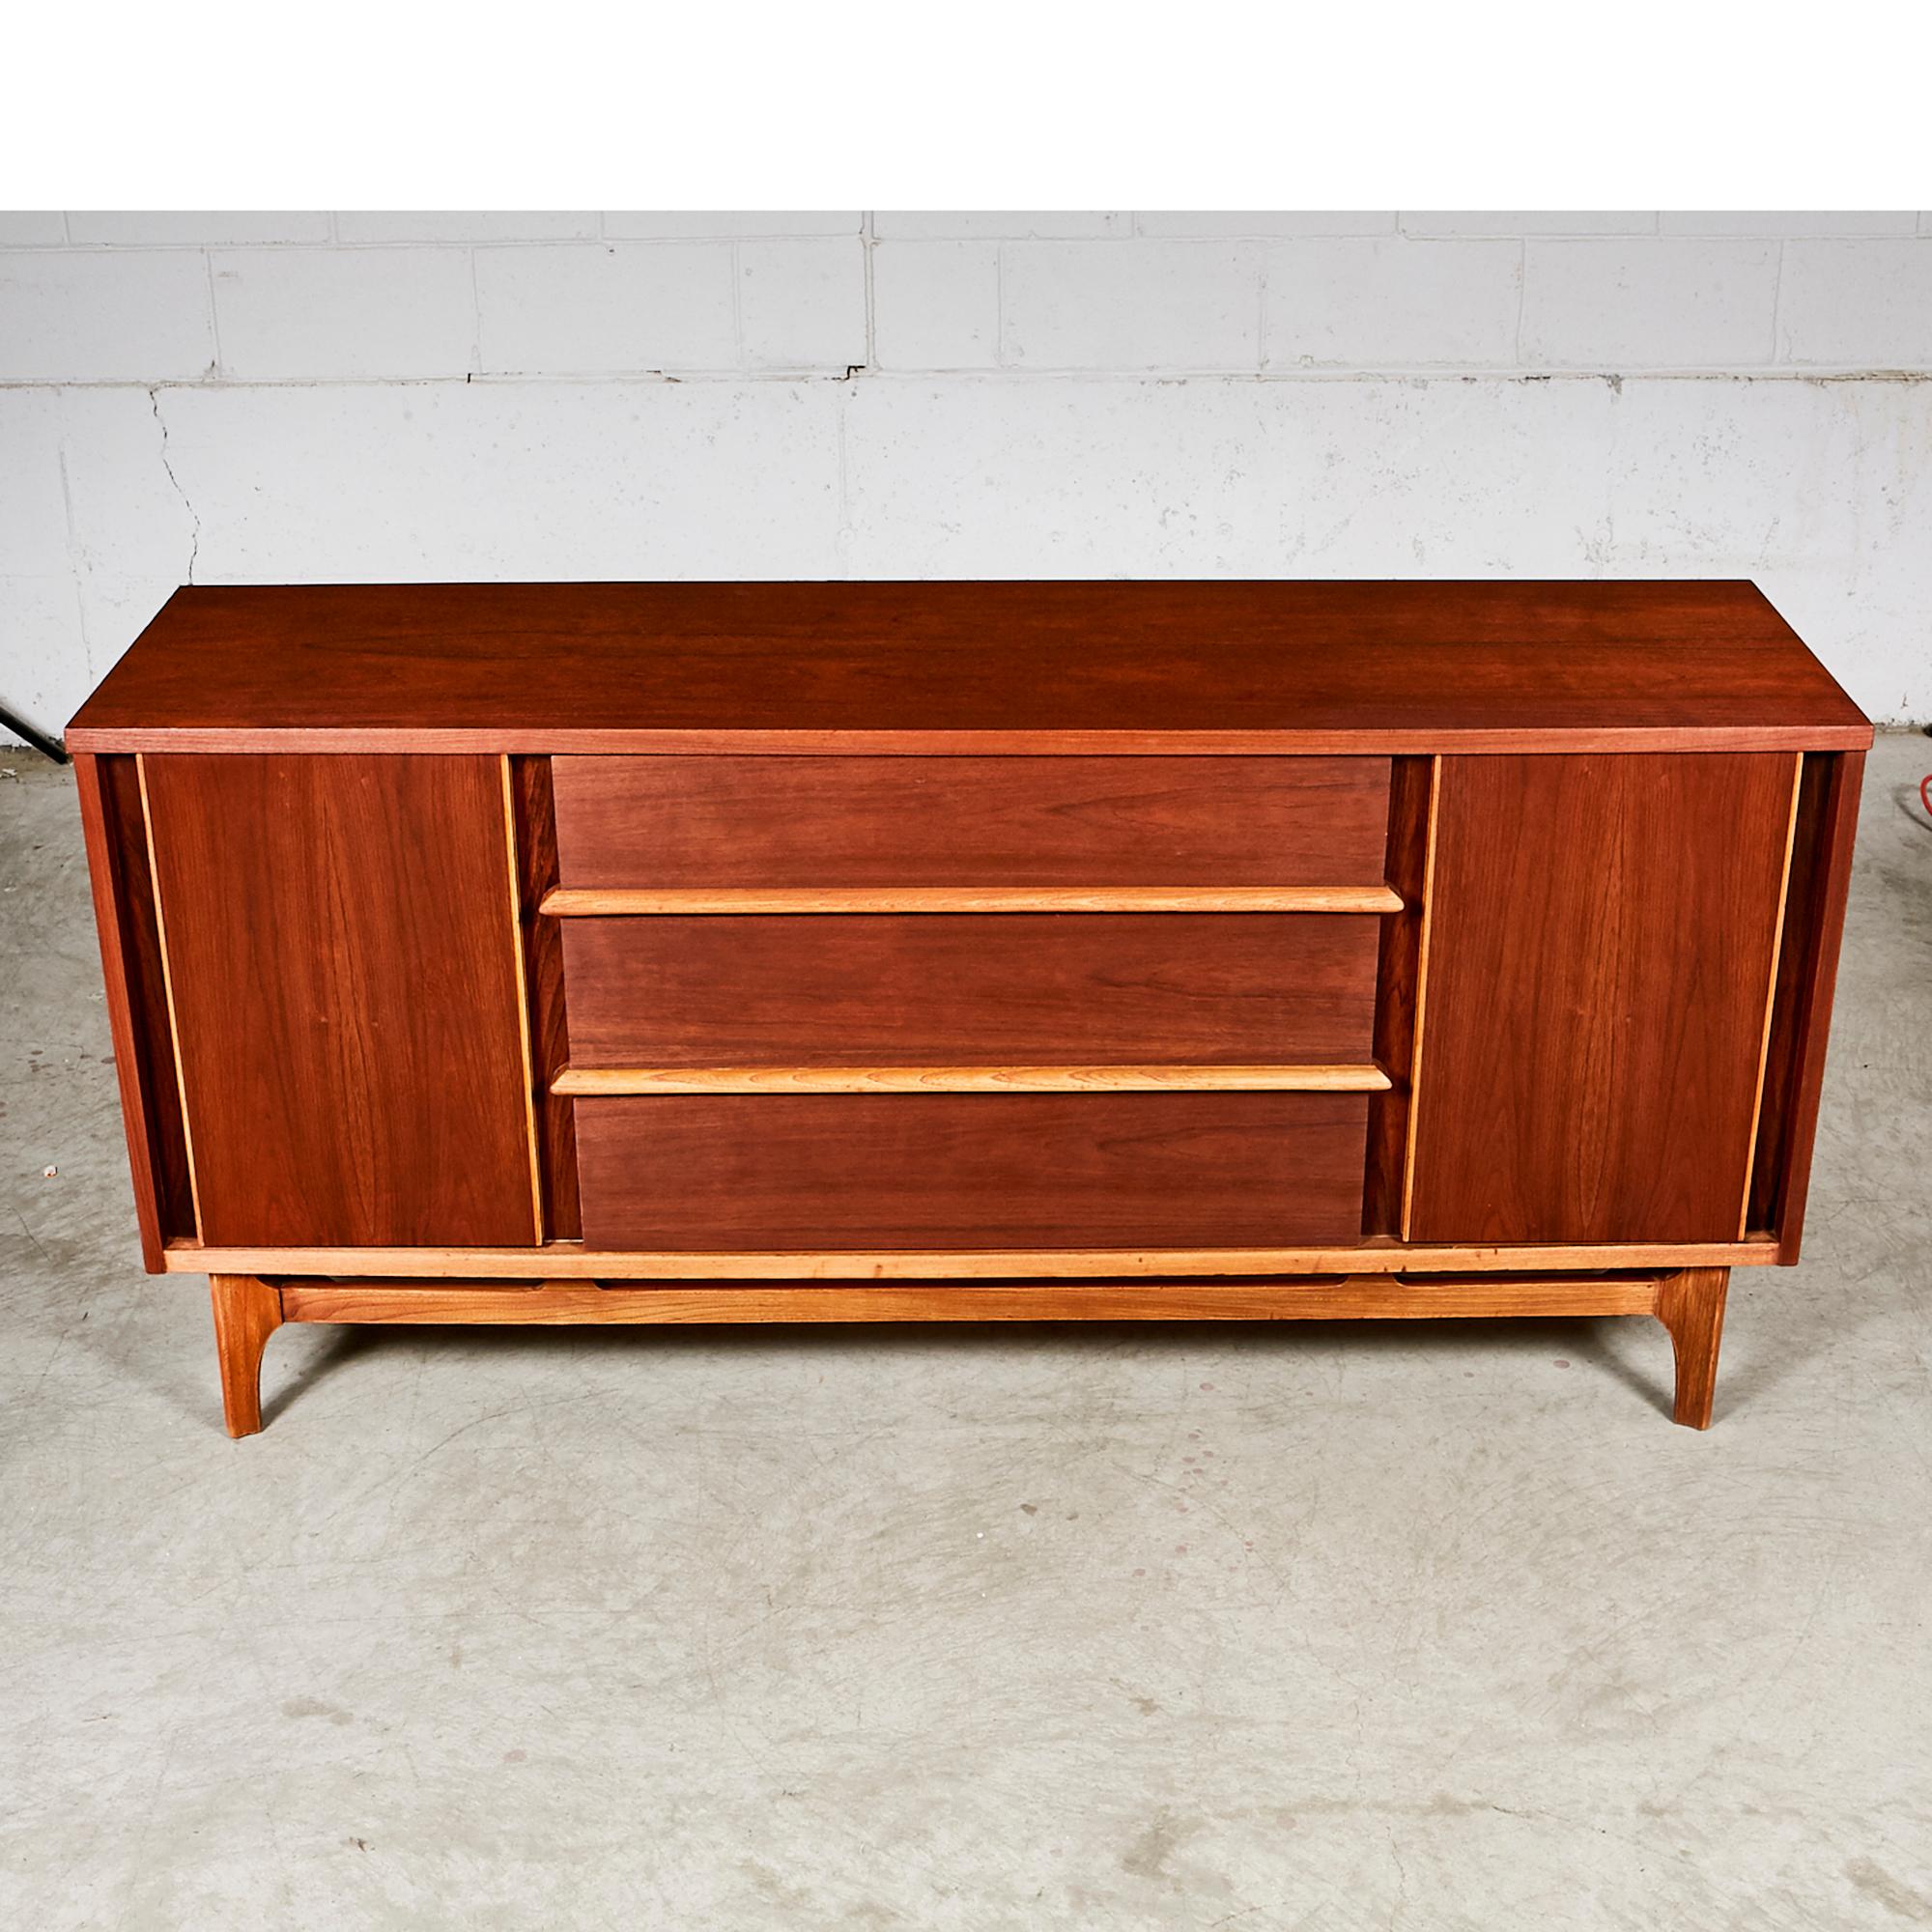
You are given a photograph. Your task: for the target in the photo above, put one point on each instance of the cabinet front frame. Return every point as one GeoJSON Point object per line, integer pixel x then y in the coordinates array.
{"type": "Point", "coordinates": [1796, 1016]}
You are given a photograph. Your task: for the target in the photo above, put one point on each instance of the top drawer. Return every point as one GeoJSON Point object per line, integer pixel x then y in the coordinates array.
{"type": "Point", "coordinates": [876, 822]}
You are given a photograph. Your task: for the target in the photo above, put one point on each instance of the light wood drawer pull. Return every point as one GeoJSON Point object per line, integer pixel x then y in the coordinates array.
{"type": "Point", "coordinates": [591, 1081]}
{"type": "Point", "coordinates": [603, 901]}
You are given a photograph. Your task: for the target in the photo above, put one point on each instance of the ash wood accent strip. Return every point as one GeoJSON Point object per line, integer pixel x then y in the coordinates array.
{"type": "Point", "coordinates": [1600, 938]}
{"type": "Point", "coordinates": [603, 902]}
{"type": "Point", "coordinates": [1771, 994]}
{"type": "Point", "coordinates": [1382, 1297]}
{"type": "Point", "coordinates": [1808, 973]}
{"type": "Point", "coordinates": [807, 1170]}
{"type": "Point", "coordinates": [512, 870]}
{"type": "Point", "coordinates": [168, 994]}
{"type": "Point", "coordinates": [345, 997]}
{"type": "Point", "coordinates": [114, 827]}
{"type": "Point", "coordinates": [566, 1261]}
{"type": "Point", "coordinates": [595, 1080]}
{"type": "Point", "coordinates": [544, 970]}
{"type": "Point", "coordinates": [247, 1311]}
{"type": "Point", "coordinates": [1220, 669]}
{"type": "Point", "coordinates": [1005, 990]}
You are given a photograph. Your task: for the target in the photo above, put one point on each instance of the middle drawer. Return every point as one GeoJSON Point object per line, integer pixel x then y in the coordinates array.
{"type": "Point", "coordinates": [970, 990]}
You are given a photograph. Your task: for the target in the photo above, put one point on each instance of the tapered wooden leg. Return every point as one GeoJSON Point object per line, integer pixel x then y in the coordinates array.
{"type": "Point", "coordinates": [1691, 1305]}
{"type": "Point", "coordinates": [247, 1311]}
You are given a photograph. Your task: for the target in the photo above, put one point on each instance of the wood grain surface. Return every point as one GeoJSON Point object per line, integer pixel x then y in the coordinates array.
{"type": "Point", "coordinates": [341, 954]}
{"type": "Point", "coordinates": [1398, 974]}
{"type": "Point", "coordinates": [1219, 668]}
{"type": "Point", "coordinates": [570, 1260]}
{"type": "Point", "coordinates": [582, 1082]}
{"type": "Point", "coordinates": [820, 901]}
{"type": "Point", "coordinates": [549, 1023]}
{"type": "Point", "coordinates": [705, 823]}
{"type": "Point", "coordinates": [1349, 1297]}
{"type": "Point", "coordinates": [1600, 951]}
{"type": "Point", "coordinates": [114, 826]}
{"type": "Point", "coordinates": [1808, 968]}
{"type": "Point", "coordinates": [961, 990]}
{"type": "Point", "coordinates": [970, 1171]}
{"type": "Point", "coordinates": [247, 1311]}
{"type": "Point", "coordinates": [1690, 1305]}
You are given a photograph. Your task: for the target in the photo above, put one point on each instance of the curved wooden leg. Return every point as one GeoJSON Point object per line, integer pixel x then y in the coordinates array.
{"type": "Point", "coordinates": [247, 1311]}
{"type": "Point", "coordinates": [1691, 1305]}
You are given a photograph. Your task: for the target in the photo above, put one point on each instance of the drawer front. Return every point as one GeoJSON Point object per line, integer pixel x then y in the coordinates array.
{"type": "Point", "coordinates": [971, 1171]}
{"type": "Point", "coordinates": [1006, 989]}
{"type": "Point", "coordinates": [787, 822]}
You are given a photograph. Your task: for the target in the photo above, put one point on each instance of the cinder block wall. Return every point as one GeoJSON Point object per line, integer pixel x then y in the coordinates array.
{"type": "Point", "coordinates": [255, 398]}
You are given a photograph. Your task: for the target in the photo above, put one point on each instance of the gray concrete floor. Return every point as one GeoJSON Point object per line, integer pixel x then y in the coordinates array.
{"type": "Point", "coordinates": [1433, 1626]}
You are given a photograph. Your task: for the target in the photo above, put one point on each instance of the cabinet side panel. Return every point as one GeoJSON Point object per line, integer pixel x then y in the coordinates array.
{"type": "Point", "coordinates": [137, 1008]}
{"type": "Point", "coordinates": [1808, 969]}
{"type": "Point", "coordinates": [341, 948]}
{"type": "Point", "coordinates": [1602, 939]}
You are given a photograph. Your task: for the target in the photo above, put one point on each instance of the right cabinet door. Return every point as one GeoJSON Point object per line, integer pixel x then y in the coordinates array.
{"type": "Point", "coordinates": [1599, 960]}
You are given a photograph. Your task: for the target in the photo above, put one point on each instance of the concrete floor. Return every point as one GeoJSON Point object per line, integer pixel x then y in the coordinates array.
{"type": "Point", "coordinates": [1429, 1627]}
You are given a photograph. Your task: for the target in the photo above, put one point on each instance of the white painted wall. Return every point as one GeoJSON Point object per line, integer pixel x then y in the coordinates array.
{"type": "Point", "coordinates": [261, 398]}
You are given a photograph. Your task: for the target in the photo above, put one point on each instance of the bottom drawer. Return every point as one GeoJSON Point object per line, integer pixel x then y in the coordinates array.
{"type": "Point", "coordinates": [971, 1170]}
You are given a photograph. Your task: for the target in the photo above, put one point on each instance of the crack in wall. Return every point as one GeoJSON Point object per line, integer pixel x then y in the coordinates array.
{"type": "Point", "coordinates": [193, 516]}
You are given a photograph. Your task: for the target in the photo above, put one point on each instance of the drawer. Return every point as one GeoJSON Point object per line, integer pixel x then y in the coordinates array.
{"type": "Point", "coordinates": [971, 1171]}
{"type": "Point", "coordinates": [970, 990]}
{"type": "Point", "coordinates": [877, 822]}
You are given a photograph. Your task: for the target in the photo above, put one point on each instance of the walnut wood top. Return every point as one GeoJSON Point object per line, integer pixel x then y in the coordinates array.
{"type": "Point", "coordinates": [1188, 667]}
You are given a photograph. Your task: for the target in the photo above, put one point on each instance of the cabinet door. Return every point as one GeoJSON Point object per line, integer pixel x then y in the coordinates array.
{"type": "Point", "coordinates": [341, 943]}
{"type": "Point", "coordinates": [1601, 942]}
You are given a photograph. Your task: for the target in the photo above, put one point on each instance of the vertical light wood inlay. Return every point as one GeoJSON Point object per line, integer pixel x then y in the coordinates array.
{"type": "Point", "coordinates": [1421, 992]}
{"type": "Point", "coordinates": [523, 998]}
{"type": "Point", "coordinates": [1770, 991]}
{"type": "Point", "coordinates": [168, 987]}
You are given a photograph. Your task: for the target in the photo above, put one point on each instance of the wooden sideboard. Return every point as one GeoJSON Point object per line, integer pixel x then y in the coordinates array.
{"type": "Point", "coordinates": [968, 951]}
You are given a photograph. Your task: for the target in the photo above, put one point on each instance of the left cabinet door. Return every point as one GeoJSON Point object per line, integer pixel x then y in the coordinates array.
{"type": "Point", "coordinates": [342, 957]}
